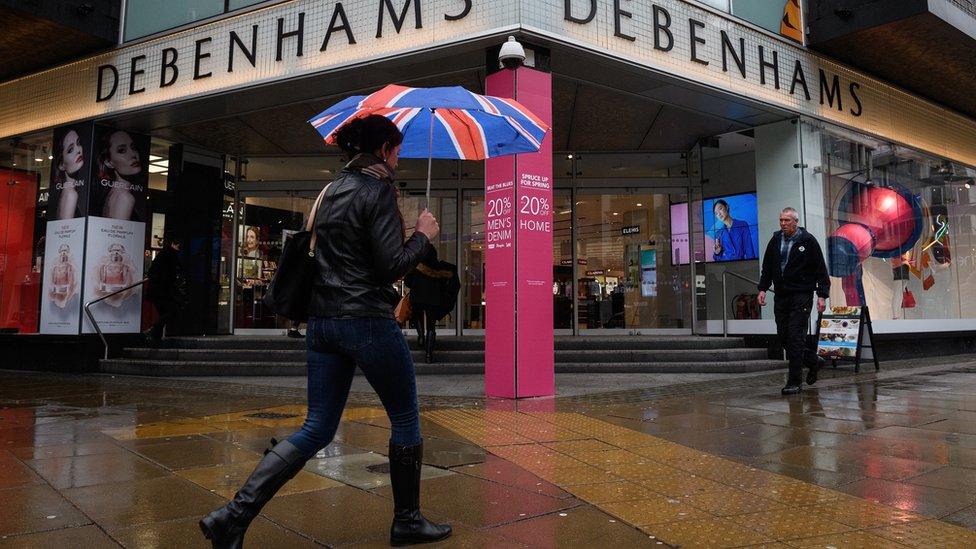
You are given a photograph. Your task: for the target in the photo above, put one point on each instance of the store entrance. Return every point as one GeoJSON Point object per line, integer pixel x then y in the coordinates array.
{"type": "Point", "coordinates": [632, 269]}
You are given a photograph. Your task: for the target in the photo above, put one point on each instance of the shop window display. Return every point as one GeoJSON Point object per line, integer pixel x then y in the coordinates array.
{"type": "Point", "coordinates": [899, 226]}
{"type": "Point", "coordinates": [626, 279]}
{"type": "Point", "coordinates": [24, 187]}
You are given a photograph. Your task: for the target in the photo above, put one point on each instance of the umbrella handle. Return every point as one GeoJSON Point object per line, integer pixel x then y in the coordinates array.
{"type": "Point", "coordinates": [430, 157]}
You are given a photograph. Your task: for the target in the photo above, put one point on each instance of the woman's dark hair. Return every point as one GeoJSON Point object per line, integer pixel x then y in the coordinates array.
{"type": "Point", "coordinates": [367, 135]}
{"type": "Point", "coordinates": [105, 172]}
{"type": "Point", "coordinates": [57, 151]}
{"type": "Point", "coordinates": [718, 203]}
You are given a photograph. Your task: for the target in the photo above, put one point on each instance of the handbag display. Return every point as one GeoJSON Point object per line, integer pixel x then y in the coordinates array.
{"type": "Point", "coordinates": [290, 290]}
{"type": "Point", "coordinates": [907, 299]}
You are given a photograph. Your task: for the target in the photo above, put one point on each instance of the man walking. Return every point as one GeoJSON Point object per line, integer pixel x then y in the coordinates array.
{"type": "Point", "coordinates": [795, 266]}
{"type": "Point", "coordinates": [167, 288]}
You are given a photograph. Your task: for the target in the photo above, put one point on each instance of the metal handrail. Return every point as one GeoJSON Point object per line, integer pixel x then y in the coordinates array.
{"type": "Point", "coordinates": [91, 318]}
{"type": "Point", "coordinates": [725, 304]}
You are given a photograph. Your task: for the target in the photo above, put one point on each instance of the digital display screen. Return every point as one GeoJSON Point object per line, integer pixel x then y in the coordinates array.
{"type": "Point", "coordinates": [731, 227]}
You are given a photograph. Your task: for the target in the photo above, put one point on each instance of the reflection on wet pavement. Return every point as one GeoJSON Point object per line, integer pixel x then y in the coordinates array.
{"type": "Point", "coordinates": [874, 461]}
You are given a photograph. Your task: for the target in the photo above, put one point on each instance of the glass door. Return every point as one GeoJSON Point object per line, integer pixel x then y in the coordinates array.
{"type": "Point", "coordinates": [265, 220]}
{"type": "Point", "coordinates": [633, 272]}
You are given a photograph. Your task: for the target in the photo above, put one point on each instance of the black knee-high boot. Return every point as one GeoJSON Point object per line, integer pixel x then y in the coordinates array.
{"type": "Point", "coordinates": [409, 526]}
{"type": "Point", "coordinates": [225, 527]}
{"type": "Point", "coordinates": [429, 348]}
{"type": "Point", "coordinates": [420, 335]}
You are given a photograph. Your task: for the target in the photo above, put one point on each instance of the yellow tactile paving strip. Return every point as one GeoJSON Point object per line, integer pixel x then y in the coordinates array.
{"type": "Point", "coordinates": [685, 497]}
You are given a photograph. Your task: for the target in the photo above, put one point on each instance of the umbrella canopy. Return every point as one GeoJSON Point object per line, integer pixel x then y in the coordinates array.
{"type": "Point", "coordinates": [449, 122]}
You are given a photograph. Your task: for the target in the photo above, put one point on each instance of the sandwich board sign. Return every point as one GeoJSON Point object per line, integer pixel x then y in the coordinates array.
{"type": "Point", "coordinates": [845, 334]}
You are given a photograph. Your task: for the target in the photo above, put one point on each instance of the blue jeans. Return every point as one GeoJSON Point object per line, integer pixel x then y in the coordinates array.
{"type": "Point", "coordinates": [336, 346]}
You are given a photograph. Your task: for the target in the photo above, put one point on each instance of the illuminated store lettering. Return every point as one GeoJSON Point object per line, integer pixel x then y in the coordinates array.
{"type": "Point", "coordinates": [666, 32]}
{"type": "Point", "coordinates": [398, 20]}
{"type": "Point", "coordinates": [288, 33]}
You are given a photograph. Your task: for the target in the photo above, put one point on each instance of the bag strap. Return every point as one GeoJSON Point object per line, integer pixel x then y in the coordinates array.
{"type": "Point", "coordinates": [310, 224]}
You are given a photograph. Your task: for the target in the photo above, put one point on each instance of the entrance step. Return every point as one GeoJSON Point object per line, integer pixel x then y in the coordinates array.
{"type": "Point", "coordinates": [282, 356]}
{"type": "Point", "coordinates": [456, 356]}
{"type": "Point", "coordinates": [169, 368]}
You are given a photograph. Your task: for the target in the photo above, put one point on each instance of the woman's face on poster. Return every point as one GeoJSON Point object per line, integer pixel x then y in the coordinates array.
{"type": "Point", "coordinates": [72, 153]}
{"type": "Point", "coordinates": [251, 240]}
{"type": "Point", "coordinates": [116, 253]}
{"type": "Point", "coordinates": [122, 155]}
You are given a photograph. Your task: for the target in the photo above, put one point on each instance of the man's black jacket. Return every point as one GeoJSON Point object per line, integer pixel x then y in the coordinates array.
{"type": "Point", "coordinates": [166, 281]}
{"type": "Point", "coordinates": [805, 272]}
{"type": "Point", "coordinates": [360, 248]}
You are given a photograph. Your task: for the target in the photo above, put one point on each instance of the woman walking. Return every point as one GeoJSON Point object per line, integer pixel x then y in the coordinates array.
{"type": "Point", "coordinates": [361, 251]}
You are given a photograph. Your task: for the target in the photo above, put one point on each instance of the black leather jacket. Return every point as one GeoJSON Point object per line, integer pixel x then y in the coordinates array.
{"type": "Point", "coordinates": [360, 247]}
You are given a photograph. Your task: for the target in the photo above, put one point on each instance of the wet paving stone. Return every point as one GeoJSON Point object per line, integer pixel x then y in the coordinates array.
{"type": "Point", "coordinates": [580, 527]}
{"type": "Point", "coordinates": [925, 500]}
{"type": "Point", "coordinates": [224, 480]}
{"type": "Point", "coordinates": [364, 470]}
{"type": "Point", "coordinates": [36, 508]}
{"type": "Point", "coordinates": [14, 473]}
{"type": "Point", "coordinates": [506, 473]}
{"type": "Point", "coordinates": [74, 472]}
{"type": "Point", "coordinates": [948, 478]}
{"type": "Point", "coordinates": [854, 463]}
{"type": "Point", "coordinates": [67, 450]}
{"type": "Point", "coordinates": [184, 533]}
{"type": "Point", "coordinates": [198, 452]}
{"type": "Point", "coordinates": [479, 503]}
{"type": "Point", "coordinates": [82, 536]}
{"type": "Point", "coordinates": [144, 501]}
{"type": "Point", "coordinates": [338, 516]}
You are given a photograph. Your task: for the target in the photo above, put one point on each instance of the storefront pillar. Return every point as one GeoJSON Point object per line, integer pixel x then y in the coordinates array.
{"type": "Point", "coordinates": [518, 257]}
{"type": "Point", "coordinates": [781, 162]}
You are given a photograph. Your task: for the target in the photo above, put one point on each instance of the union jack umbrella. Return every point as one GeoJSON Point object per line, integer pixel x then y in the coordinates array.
{"type": "Point", "coordinates": [447, 123]}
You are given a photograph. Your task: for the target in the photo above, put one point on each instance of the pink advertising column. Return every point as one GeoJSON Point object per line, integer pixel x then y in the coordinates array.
{"type": "Point", "coordinates": [518, 255]}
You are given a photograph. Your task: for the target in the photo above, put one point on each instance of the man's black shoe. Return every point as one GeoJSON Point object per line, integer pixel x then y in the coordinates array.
{"type": "Point", "coordinates": [791, 390]}
{"type": "Point", "coordinates": [814, 370]}
{"type": "Point", "coordinates": [294, 333]}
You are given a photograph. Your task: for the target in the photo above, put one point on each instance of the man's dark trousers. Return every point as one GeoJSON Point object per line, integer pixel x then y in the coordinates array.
{"type": "Point", "coordinates": [168, 309]}
{"type": "Point", "coordinates": [792, 316]}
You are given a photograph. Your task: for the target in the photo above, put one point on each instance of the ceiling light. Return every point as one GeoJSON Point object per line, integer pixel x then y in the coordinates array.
{"type": "Point", "coordinates": [615, 213]}
{"type": "Point", "coordinates": [153, 168]}
{"type": "Point", "coordinates": [154, 157]}
{"type": "Point", "coordinates": [968, 185]}
{"type": "Point", "coordinates": [639, 204]}
{"type": "Point", "coordinates": [38, 159]}
{"type": "Point", "coordinates": [569, 157]}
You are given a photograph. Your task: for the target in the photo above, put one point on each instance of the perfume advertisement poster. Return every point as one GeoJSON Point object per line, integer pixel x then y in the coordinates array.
{"type": "Point", "coordinates": [120, 173]}
{"type": "Point", "coordinates": [64, 248]}
{"type": "Point", "coordinates": [114, 261]}
{"type": "Point", "coordinates": [71, 165]}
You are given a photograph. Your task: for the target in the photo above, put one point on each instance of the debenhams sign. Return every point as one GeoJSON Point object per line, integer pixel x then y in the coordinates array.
{"type": "Point", "coordinates": [280, 38]}
{"type": "Point", "coordinates": [299, 38]}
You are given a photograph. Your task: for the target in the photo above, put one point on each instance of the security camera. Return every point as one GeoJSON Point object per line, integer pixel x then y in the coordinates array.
{"type": "Point", "coordinates": [512, 54]}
